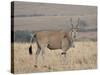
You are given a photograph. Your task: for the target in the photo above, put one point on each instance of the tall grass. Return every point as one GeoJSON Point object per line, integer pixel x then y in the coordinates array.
{"type": "Point", "coordinates": [83, 56]}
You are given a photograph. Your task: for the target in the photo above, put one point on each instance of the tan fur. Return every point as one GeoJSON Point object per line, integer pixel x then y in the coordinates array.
{"type": "Point", "coordinates": [53, 39]}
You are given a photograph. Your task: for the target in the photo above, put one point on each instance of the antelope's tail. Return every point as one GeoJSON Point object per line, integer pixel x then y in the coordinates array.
{"type": "Point", "coordinates": [31, 41]}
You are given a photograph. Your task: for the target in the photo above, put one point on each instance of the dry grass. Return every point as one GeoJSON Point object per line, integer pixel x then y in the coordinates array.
{"type": "Point", "coordinates": [83, 56]}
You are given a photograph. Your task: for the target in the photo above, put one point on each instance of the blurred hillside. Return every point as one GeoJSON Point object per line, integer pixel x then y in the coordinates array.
{"type": "Point", "coordinates": [30, 17]}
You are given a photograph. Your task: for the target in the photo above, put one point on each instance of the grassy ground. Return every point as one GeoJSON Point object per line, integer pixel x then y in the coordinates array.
{"type": "Point", "coordinates": [83, 56]}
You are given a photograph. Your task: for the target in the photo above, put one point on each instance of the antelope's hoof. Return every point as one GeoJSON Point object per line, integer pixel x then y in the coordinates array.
{"type": "Point", "coordinates": [35, 66]}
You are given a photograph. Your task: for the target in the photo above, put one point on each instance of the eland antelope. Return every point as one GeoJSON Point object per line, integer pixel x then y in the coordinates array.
{"type": "Point", "coordinates": [54, 40]}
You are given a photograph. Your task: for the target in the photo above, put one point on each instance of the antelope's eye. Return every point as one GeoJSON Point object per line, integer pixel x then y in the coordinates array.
{"type": "Point", "coordinates": [72, 30]}
{"type": "Point", "coordinates": [78, 29]}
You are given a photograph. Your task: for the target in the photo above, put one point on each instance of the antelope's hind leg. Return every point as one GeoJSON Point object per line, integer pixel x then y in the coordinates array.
{"type": "Point", "coordinates": [36, 57]}
{"type": "Point", "coordinates": [43, 47]}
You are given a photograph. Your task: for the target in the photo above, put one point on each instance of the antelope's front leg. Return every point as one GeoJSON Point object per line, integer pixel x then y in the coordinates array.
{"type": "Point", "coordinates": [63, 55]}
{"type": "Point", "coordinates": [65, 46]}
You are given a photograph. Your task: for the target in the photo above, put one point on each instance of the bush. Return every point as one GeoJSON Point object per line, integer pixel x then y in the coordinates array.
{"type": "Point", "coordinates": [22, 36]}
